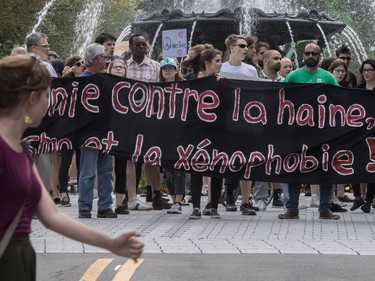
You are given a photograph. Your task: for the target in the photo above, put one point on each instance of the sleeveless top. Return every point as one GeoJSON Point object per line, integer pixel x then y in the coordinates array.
{"type": "Point", "coordinates": [18, 185]}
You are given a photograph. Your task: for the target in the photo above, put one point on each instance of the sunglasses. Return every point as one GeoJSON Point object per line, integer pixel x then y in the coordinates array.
{"type": "Point", "coordinates": [79, 64]}
{"type": "Point", "coordinates": [242, 46]}
{"type": "Point", "coordinates": [307, 54]}
{"type": "Point", "coordinates": [141, 44]}
{"type": "Point", "coordinates": [345, 58]}
{"type": "Point", "coordinates": [45, 46]}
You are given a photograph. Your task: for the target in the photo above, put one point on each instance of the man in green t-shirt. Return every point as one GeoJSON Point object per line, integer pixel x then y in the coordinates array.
{"type": "Point", "coordinates": [310, 73]}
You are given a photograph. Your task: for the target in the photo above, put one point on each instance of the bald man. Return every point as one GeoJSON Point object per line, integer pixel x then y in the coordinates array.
{"type": "Point", "coordinates": [286, 67]}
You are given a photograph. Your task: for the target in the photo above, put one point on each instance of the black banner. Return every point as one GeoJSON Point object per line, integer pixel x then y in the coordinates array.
{"type": "Point", "coordinates": [278, 132]}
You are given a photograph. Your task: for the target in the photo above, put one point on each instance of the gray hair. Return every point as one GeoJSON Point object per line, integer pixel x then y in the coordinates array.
{"type": "Point", "coordinates": [34, 39]}
{"type": "Point", "coordinates": [91, 52]}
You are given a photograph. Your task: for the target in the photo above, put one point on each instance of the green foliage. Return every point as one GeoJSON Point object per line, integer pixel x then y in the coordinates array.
{"type": "Point", "coordinates": [17, 18]}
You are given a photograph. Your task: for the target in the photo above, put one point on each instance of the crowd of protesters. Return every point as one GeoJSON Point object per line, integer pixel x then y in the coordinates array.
{"type": "Point", "coordinates": [244, 57]}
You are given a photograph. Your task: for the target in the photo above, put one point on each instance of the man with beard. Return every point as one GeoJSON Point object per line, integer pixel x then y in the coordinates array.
{"type": "Point", "coordinates": [271, 64]}
{"type": "Point", "coordinates": [310, 73]}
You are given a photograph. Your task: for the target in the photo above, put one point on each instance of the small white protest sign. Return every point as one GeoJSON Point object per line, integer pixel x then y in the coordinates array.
{"type": "Point", "coordinates": [174, 43]}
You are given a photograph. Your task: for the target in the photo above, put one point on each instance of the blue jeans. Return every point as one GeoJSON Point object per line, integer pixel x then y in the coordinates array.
{"type": "Point", "coordinates": [92, 161]}
{"type": "Point", "coordinates": [325, 196]}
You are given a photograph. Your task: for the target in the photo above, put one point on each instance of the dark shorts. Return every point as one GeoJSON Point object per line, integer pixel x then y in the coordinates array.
{"type": "Point", "coordinates": [18, 261]}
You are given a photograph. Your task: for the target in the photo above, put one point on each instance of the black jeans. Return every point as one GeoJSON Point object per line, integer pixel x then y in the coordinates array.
{"type": "Point", "coordinates": [65, 162]}
{"type": "Point", "coordinates": [196, 183]}
{"type": "Point", "coordinates": [120, 172]}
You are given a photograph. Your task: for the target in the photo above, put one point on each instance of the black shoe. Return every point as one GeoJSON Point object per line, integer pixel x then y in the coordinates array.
{"type": "Point", "coordinates": [121, 210]}
{"type": "Point", "coordinates": [107, 213]}
{"type": "Point", "coordinates": [57, 200]}
{"type": "Point", "coordinates": [214, 214]}
{"type": "Point", "coordinates": [336, 208]}
{"type": "Point", "coordinates": [346, 198]}
{"type": "Point", "coordinates": [230, 205]}
{"type": "Point", "coordinates": [196, 214]}
{"type": "Point", "coordinates": [65, 202]}
{"type": "Point", "coordinates": [247, 209]}
{"type": "Point", "coordinates": [277, 202]}
{"type": "Point", "coordinates": [366, 207]}
{"type": "Point", "coordinates": [356, 204]}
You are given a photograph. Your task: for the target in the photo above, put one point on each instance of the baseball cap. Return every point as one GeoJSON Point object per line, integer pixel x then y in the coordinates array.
{"type": "Point", "coordinates": [168, 61]}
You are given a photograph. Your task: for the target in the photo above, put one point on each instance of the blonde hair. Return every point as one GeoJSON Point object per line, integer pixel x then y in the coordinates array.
{"type": "Point", "coordinates": [19, 75]}
{"type": "Point", "coordinates": [110, 66]}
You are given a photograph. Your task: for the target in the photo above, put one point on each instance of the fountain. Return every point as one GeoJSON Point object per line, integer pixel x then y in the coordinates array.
{"type": "Point", "coordinates": [42, 14]}
{"type": "Point", "coordinates": [269, 27]}
{"type": "Point", "coordinates": [87, 21]}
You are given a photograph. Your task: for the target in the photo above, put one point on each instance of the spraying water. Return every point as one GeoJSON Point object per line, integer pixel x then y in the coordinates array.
{"type": "Point", "coordinates": [350, 32]}
{"type": "Point", "coordinates": [42, 14]}
{"type": "Point", "coordinates": [85, 26]}
{"type": "Point", "coordinates": [325, 39]}
{"type": "Point", "coordinates": [293, 49]}
{"type": "Point", "coordinates": [124, 33]}
{"type": "Point", "coordinates": [155, 38]}
{"type": "Point", "coordinates": [191, 35]}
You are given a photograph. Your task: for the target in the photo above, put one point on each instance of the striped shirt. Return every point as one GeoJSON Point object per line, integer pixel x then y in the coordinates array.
{"type": "Point", "coordinates": [147, 71]}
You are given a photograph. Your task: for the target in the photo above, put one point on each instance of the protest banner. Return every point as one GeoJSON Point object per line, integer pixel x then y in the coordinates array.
{"type": "Point", "coordinates": [275, 132]}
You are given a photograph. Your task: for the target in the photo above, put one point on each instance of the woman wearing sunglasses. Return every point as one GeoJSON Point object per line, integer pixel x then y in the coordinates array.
{"type": "Point", "coordinates": [74, 66]}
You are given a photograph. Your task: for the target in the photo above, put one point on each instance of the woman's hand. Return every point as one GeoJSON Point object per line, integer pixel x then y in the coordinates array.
{"type": "Point", "coordinates": [127, 245]}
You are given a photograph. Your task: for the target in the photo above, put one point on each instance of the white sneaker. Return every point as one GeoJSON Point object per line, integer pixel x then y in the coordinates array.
{"type": "Point", "coordinates": [175, 209]}
{"type": "Point", "coordinates": [204, 190]}
{"type": "Point", "coordinates": [261, 205]}
{"type": "Point", "coordinates": [137, 205]}
{"type": "Point", "coordinates": [314, 203]}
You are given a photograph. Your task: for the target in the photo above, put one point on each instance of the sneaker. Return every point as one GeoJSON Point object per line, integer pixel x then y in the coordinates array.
{"type": "Point", "coordinates": [57, 200]}
{"type": "Point", "coordinates": [204, 190]}
{"type": "Point", "coordinates": [107, 214]}
{"type": "Point", "coordinates": [328, 215]}
{"type": "Point", "coordinates": [65, 202]}
{"type": "Point", "coordinates": [366, 207]}
{"type": "Point", "coordinates": [137, 205]}
{"type": "Point", "coordinates": [247, 210]}
{"type": "Point", "coordinates": [84, 214]}
{"type": "Point", "coordinates": [175, 209]}
{"type": "Point", "coordinates": [314, 203]}
{"type": "Point", "coordinates": [356, 204]}
{"type": "Point", "coordinates": [206, 211]}
{"type": "Point", "coordinates": [160, 204]}
{"type": "Point", "coordinates": [289, 215]}
{"type": "Point", "coordinates": [261, 205]}
{"type": "Point", "coordinates": [196, 214]}
{"type": "Point", "coordinates": [214, 214]}
{"type": "Point", "coordinates": [346, 198]}
{"type": "Point", "coordinates": [121, 210]}
{"type": "Point", "coordinates": [277, 203]}
{"type": "Point", "coordinates": [230, 205]}
{"type": "Point", "coordinates": [336, 208]}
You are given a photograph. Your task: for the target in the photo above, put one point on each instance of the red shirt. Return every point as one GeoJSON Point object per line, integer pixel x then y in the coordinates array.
{"type": "Point", "coordinates": [18, 185]}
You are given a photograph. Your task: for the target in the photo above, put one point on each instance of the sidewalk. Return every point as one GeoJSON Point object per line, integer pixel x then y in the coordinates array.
{"type": "Point", "coordinates": [353, 234]}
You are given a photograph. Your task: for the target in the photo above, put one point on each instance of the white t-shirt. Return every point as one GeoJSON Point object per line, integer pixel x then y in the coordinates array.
{"type": "Point", "coordinates": [242, 69]}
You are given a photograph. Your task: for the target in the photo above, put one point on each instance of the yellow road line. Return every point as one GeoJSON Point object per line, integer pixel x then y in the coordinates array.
{"type": "Point", "coordinates": [127, 270]}
{"type": "Point", "coordinates": [95, 270]}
